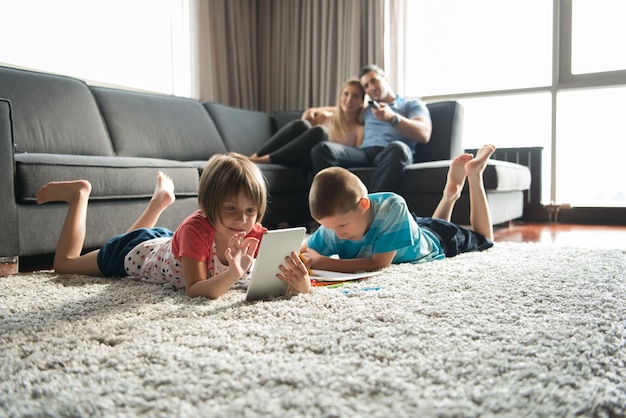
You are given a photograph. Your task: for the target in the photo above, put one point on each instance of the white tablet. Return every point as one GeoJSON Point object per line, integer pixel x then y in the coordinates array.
{"type": "Point", "coordinates": [275, 246]}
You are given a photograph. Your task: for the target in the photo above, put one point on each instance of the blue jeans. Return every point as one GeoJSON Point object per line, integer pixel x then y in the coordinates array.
{"type": "Point", "coordinates": [111, 255]}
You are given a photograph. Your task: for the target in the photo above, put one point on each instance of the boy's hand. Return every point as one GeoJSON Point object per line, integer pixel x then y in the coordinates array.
{"type": "Point", "coordinates": [240, 253]}
{"type": "Point", "coordinates": [311, 257]}
{"type": "Point", "coordinates": [295, 273]}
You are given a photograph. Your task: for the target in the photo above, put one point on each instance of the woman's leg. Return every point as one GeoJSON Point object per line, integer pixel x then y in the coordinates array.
{"type": "Point", "coordinates": [281, 138]}
{"type": "Point", "coordinates": [297, 153]}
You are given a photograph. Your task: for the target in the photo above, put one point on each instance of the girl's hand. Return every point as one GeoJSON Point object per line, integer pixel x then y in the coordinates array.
{"type": "Point", "coordinates": [240, 253]}
{"type": "Point", "coordinates": [295, 273]}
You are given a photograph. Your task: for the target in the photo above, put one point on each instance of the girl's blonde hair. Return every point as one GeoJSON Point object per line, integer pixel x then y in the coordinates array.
{"type": "Point", "coordinates": [340, 121]}
{"type": "Point", "coordinates": [225, 176]}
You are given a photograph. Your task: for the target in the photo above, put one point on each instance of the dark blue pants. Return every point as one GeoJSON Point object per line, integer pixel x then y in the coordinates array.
{"type": "Point", "coordinates": [390, 162]}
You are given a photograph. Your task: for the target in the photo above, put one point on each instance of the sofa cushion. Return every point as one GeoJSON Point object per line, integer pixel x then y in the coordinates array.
{"type": "Point", "coordinates": [111, 177]}
{"type": "Point", "coordinates": [430, 177]}
{"type": "Point", "coordinates": [156, 126]}
{"type": "Point", "coordinates": [280, 178]}
{"type": "Point", "coordinates": [53, 114]}
{"type": "Point", "coordinates": [243, 131]}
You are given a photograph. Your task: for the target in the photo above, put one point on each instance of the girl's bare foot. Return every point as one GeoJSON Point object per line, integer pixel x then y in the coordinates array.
{"type": "Point", "coordinates": [163, 195]}
{"type": "Point", "coordinates": [478, 164]}
{"type": "Point", "coordinates": [456, 176]}
{"type": "Point", "coordinates": [63, 191]}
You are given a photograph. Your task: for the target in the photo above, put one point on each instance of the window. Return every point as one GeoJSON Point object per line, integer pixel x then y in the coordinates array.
{"type": "Point", "coordinates": [591, 146]}
{"type": "Point", "coordinates": [459, 46]}
{"type": "Point", "coordinates": [497, 59]}
{"type": "Point", "coordinates": [598, 36]}
{"type": "Point", "coordinates": [141, 44]}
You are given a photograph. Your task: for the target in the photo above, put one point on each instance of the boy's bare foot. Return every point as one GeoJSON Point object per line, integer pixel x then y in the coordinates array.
{"type": "Point", "coordinates": [456, 177]}
{"type": "Point", "coordinates": [63, 191]}
{"type": "Point", "coordinates": [163, 195]}
{"type": "Point", "coordinates": [478, 164]}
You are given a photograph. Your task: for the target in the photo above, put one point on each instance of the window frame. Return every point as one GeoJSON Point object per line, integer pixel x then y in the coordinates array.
{"type": "Point", "coordinates": [567, 80]}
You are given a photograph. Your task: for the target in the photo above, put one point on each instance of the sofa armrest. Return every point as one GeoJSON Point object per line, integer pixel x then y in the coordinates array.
{"type": "Point", "coordinates": [8, 206]}
{"type": "Point", "coordinates": [446, 140]}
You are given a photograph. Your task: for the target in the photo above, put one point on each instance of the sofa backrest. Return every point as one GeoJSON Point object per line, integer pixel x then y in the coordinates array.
{"type": "Point", "coordinates": [282, 118]}
{"type": "Point", "coordinates": [243, 131]}
{"type": "Point", "coordinates": [158, 126]}
{"type": "Point", "coordinates": [53, 114]}
{"type": "Point", "coordinates": [446, 140]}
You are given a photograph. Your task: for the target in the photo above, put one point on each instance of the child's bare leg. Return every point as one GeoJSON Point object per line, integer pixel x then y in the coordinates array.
{"type": "Point", "coordinates": [480, 217]}
{"type": "Point", "coordinates": [162, 197]}
{"type": "Point", "coordinates": [453, 187]}
{"type": "Point", "coordinates": [67, 258]}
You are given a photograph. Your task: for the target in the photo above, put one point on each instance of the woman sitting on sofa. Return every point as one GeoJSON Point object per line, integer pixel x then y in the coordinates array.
{"type": "Point", "coordinates": [291, 146]}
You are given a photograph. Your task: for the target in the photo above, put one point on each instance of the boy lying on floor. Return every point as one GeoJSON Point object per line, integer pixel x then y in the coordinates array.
{"type": "Point", "coordinates": [372, 231]}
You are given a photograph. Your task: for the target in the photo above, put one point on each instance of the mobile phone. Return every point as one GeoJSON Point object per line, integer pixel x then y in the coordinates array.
{"type": "Point", "coordinates": [375, 104]}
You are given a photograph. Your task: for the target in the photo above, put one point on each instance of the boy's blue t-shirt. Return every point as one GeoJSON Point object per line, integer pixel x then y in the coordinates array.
{"type": "Point", "coordinates": [393, 229]}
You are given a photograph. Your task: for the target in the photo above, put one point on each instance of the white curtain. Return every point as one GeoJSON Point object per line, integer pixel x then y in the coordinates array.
{"type": "Point", "coordinates": [397, 48]}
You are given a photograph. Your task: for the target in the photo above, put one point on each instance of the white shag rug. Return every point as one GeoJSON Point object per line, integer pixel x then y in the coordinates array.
{"type": "Point", "coordinates": [518, 330]}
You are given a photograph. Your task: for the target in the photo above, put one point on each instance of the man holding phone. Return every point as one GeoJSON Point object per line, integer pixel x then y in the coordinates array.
{"type": "Point", "coordinates": [393, 125]}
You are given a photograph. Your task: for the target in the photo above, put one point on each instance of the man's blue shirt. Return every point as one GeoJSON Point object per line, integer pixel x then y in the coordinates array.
{"type": "Point", "coordinates": [379, 133]}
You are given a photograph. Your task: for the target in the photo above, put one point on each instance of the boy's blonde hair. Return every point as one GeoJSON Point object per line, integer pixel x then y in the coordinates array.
{"type": "Point", "coordinates": [335, 191]}
{"type": "Point", "coordinates": [224, 176]}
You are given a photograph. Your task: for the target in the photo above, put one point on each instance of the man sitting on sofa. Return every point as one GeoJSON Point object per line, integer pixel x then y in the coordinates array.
{"type": "Point", "coordinates": [393, 125]}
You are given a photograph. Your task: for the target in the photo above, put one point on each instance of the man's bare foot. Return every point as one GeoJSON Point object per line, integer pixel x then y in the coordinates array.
{"type": "Point", "coordinates": [456, 176]}
{"type": "Point", "coordinates": [163, 195]}
{"type": "Point", "coordinates": [478, 164]}
{"type": "Point", "coordinates": [63, 191]}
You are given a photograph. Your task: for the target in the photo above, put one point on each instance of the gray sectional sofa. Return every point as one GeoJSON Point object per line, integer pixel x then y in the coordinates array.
{"type": "Point", "coordinates": [59, 128]}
